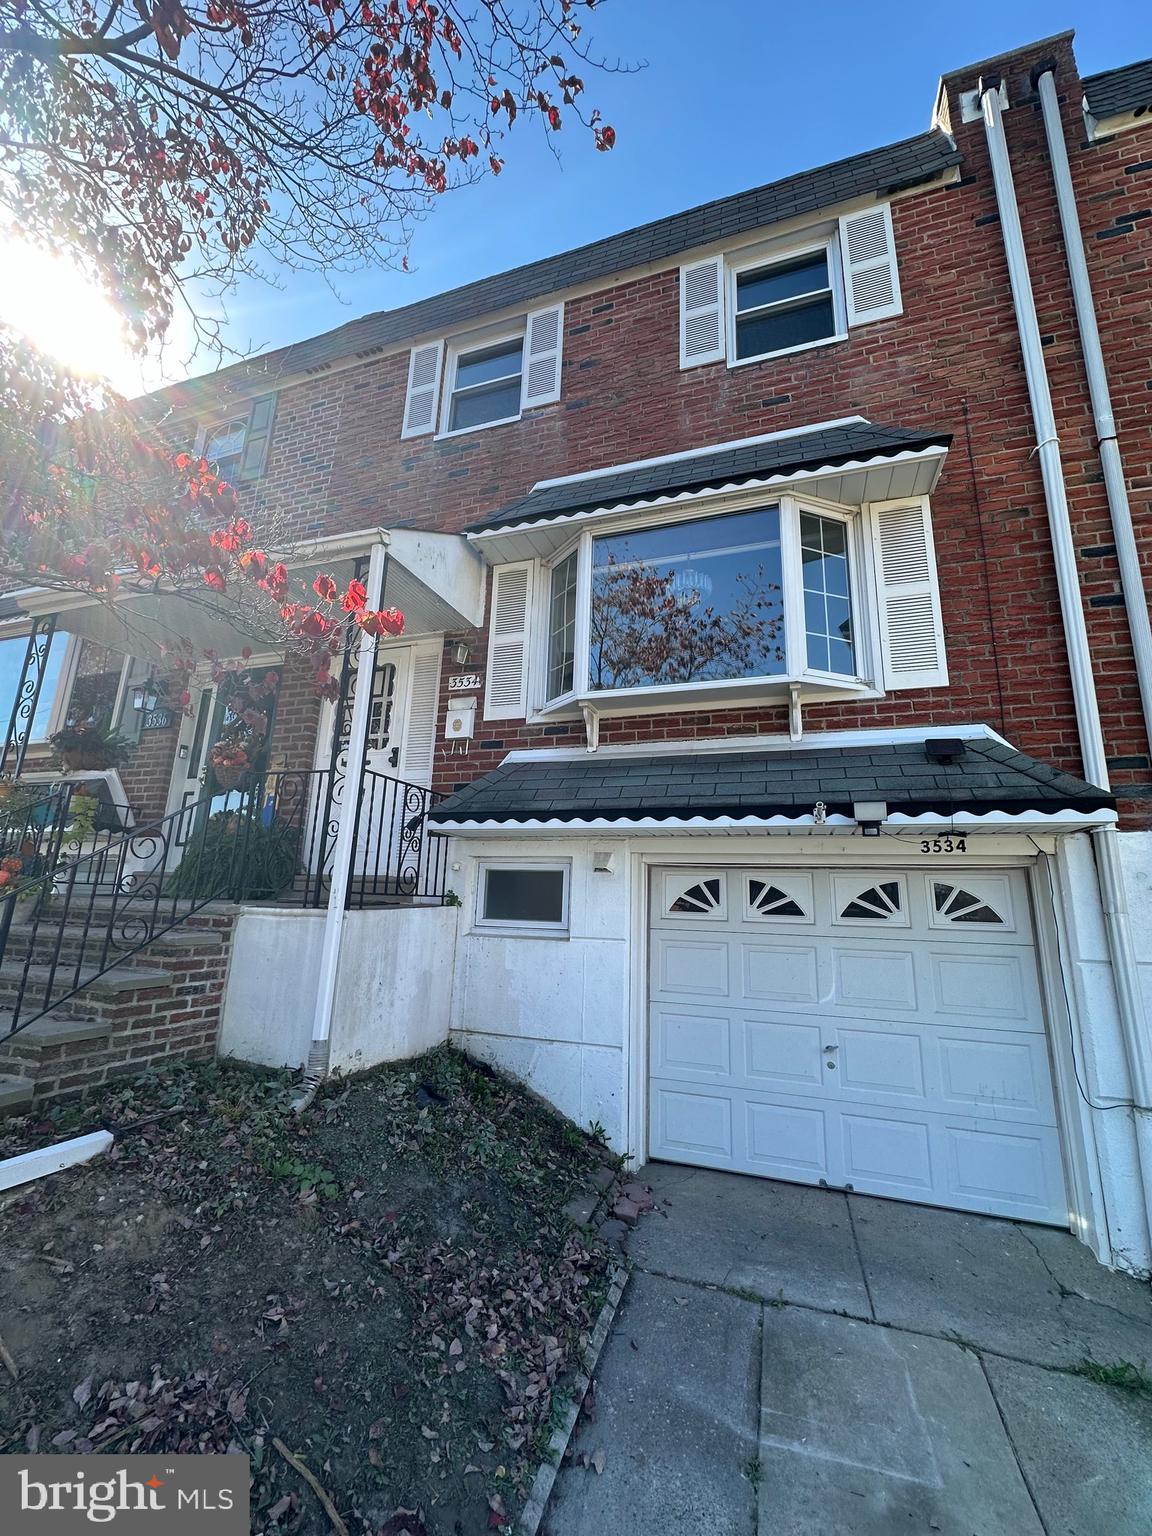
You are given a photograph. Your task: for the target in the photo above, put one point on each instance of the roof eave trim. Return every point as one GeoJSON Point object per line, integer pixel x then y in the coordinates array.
{"type": "Point", "coordinates": [1066, 819]}
{"type": "Point", "coordinates": [938, 449]}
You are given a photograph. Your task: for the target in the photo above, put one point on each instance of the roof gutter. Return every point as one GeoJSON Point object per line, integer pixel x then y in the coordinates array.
{"type": "Point", "coordinates": [1137, 1043]}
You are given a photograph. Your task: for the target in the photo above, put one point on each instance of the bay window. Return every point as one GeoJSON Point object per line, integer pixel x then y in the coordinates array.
{"type": "Point", "coordinates": [702, 603]}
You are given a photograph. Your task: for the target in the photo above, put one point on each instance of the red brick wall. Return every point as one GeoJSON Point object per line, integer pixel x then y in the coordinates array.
{"type": "Point", "coordinates": [951, 361]}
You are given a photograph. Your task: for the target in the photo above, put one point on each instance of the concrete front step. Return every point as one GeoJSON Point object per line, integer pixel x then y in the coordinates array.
{"type": "Point", "coordinates": [52, 1029]}
{"type": "Point", "coordinates": [96, 947]}
{"type": "Point", "coordinates": [15, 1093]}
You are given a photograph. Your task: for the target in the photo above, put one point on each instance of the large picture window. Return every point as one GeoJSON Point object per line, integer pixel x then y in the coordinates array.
{"type": "Point", "coordinates": [763, 593]}
{"type": "Point", "coordinates": [687, 603]}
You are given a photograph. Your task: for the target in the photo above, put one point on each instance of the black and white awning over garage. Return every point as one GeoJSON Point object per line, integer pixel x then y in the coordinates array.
{"type": "Point", "coordinates": [973, 784]}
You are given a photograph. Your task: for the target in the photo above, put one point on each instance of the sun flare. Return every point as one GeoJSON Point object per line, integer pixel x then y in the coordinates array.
{"type": "Point", "coordinates": [50, 301]}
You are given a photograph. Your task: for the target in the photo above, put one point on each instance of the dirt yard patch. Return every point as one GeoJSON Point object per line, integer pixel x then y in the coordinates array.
{"type": "Point", "coordinates": [389, 1286]}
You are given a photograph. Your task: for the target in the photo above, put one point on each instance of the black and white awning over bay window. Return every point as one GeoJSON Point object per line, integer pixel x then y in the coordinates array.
{"type": "Point", "coordinates": [801, 562]}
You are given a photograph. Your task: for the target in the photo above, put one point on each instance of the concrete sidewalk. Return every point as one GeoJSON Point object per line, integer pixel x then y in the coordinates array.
{"type": "Point", "coordinates": [797, 1362]}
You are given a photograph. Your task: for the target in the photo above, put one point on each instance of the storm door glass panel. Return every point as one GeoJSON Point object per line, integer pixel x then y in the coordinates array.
{"type": "Point", "coordinates": [691, 602]}
{"type": "Point", "coordinates": [562, 628]}
{"type": "Point", "coordinates": [827, 595]}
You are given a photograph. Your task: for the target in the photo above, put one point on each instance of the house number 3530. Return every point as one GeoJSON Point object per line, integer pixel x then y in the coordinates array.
{"type": "Point", "coordinates": [944, 845]}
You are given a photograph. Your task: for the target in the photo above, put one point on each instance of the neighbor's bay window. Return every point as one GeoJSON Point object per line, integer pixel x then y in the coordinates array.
{"type": "Point", "coordinates": [764, 593]}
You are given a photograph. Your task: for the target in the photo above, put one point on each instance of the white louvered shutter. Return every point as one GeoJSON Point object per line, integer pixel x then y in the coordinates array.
{"type": "Point", "coordinates": [702, 312]}
{"type": "Point", "coordinates": [542, 348]}
{"type": "Point", "coordinates": [911, 632]}
{"type": "Point", "coordinates": [423, 389]}
{"type": "Point", "coordinates": [506, 688]}
{"type": "Point", "coordinates": [423, 713]}
{"type": "Point", "coordinates": [871, 278]}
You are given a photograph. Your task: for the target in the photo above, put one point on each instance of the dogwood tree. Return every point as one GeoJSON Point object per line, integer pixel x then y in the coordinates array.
{"type": "Point", "coordinates": [172, 146]}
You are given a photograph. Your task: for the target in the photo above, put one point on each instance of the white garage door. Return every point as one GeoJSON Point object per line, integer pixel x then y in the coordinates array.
{"type": "Point", "coordinates": [872, 1030]}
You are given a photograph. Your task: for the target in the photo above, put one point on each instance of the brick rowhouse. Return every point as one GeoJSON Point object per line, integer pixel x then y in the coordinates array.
{"type": "Point", "coordinates": [951, 361]}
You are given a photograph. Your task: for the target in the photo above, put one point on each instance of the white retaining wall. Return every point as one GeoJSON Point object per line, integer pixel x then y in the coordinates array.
{"type": "Point", "coordinates": [393, 995]}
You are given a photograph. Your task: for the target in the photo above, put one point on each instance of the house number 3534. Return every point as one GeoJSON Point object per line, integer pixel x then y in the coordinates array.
{"type": "Point", "coordinates": [944, 845]}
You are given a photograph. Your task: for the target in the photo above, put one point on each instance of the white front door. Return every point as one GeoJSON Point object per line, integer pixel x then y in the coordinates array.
{"type": "Point", "coordinates": [398, 762]}
{"type": "Point", "coordinates": [880, 1031]}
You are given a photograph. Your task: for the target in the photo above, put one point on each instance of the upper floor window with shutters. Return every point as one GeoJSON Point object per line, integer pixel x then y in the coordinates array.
{"type": "Point", "coordinates": [486, 385]}
{"type": "Point", "coordinates": [776, 297]}
{"type": "Point", "coordinates": [236, 446]}
{"type": "Point", "coordinates": [489, 377]}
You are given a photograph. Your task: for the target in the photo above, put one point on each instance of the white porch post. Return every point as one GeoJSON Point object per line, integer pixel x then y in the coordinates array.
{"type": "Point", "coordinates": [343, 848]}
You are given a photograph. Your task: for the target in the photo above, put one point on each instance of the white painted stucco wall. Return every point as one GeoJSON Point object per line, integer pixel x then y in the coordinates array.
{"type": "Point", "coordinates": [551, 1011]}
{"type": "Point", "coordinates": [393, 994]}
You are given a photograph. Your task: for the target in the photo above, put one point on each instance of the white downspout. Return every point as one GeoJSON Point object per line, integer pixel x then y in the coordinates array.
{"type": "Point", "coordinates": [336, 915]}
{"type": "Point", "coordinates": [1120, 947]}
{"type": "Point", "coordinates": [1048, 444]}
{"type": "Point", "coordinates": [1115, 485]}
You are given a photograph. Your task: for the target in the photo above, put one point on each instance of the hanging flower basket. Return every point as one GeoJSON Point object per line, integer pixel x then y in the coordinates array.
{"type": "Point", "coordinates": [230, 763]}
{"type": "Point", "coordinates": [231, 778]}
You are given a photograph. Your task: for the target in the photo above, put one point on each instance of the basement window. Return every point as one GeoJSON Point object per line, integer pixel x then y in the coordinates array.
{"type": "Point", "coordinates": [523, 897]}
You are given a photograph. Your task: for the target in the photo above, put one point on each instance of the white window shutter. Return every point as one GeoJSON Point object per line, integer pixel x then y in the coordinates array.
{"type": "Point", "coordinates": [423, 713]}
{"type": "Point", "coordinates": [542, 348]}
{"type": "Point", "coordinates": [506, 688]}
{"type": "Point", "coordinates": [702, 312]}
{"type": "Point", "coordinates": [871, 278]}
{"type": "Point", "coordinates": [911, 631]}
{"type": "Point", "coordinates": [423, 389]}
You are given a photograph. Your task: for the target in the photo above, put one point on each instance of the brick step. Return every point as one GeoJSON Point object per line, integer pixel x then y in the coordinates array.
{"type": "Point", "coordinates": [96, 991]}
{"type": "Point", "coordinates": [15, 1093]}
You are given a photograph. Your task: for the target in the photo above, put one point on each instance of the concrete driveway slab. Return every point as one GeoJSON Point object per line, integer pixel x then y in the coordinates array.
{"type": "Point", "coordinates": [867, 1431]}
{"type": "Point", "coordinates": [676, 1418]}
{"type": "Point", "coordinates": [776, 1241]}
{"type": "Point", "coordinates": [1086, 1450]}
{"type": "Point", "coordinates": [994, 1284]}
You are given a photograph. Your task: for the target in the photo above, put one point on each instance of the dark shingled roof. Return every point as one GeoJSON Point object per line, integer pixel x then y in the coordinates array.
{"type": "Point", "coordinates": [890, 169]}
{"type": "Point", "coordinates": [829, 448]}
{"type": "Point", "coordinates": [1116, 91]}
{"type": "Point", "coordinates": [987, 777]}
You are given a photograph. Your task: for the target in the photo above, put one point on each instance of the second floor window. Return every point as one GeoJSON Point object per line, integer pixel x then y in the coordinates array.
{"type": "Point", "coordinates": [785, 305]}
{"type": "Point", "coordinates": [224, 448]}
{"type": "Point", "coordinates": [486, 386]}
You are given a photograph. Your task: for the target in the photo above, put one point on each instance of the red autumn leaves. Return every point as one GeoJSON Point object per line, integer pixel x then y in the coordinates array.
{"type": "Point", "coordinates": [321, 622]}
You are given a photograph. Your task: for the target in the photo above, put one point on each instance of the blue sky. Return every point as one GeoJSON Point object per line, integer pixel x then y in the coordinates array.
{"type": "Point", "coordinates": [770, 89]}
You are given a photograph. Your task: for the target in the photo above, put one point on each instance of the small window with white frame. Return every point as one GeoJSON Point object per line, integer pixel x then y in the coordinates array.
{"type": "Point", "coordinates": [523, 897]}
{"type": "Point", "coordinates": [785, 305]}
{"type": "Point", "coordinates": [484, 386]}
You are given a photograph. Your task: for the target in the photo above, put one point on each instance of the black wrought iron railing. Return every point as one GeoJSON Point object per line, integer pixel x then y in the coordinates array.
{"type": "Point", "coordinates": [76, 901]}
